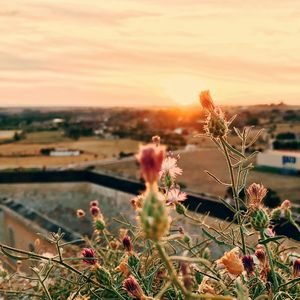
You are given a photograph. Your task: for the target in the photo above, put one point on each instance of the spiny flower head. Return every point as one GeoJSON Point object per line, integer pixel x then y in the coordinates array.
{"type": "Point", "coordinates": [260, 254]}
{"type": "Point", "coordinates": [150, 158]}
{"type": "Point", "coordinates": [89, 256]}
{"type": "Point", "coordinates": [296, 268]}
{"type": "Point", "coordinates": [256, 193]}
{"type": "Point", "coordinates": [232, 262]}
{"type": "Point", "coordinates": [80, 213]}
{"type": "Point", "coordinates": [286, 204]}
{"type": "Point", "coordinates": [133, 288]}
{"type": "Point", "coordinates": [175, 195]}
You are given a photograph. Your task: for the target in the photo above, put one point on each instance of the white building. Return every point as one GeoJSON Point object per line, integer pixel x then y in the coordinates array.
{"type": "Point", "coordinates": [283, 160]}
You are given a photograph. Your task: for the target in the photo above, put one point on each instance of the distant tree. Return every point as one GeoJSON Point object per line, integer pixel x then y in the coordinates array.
{"type": "Point", "coordinates": [286, 136]}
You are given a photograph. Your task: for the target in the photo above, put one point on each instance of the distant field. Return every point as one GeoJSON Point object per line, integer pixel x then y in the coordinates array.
{"type": "Point", "coordinates": [26, 153]}
{"type": "Point", "coordinates": [194, 163]}
{"type": "Point", "coordinates": [7, 134]}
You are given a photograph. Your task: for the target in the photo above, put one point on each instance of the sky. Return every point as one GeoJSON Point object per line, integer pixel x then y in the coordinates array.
{"type": "Point", "coordinates": [148, 52]}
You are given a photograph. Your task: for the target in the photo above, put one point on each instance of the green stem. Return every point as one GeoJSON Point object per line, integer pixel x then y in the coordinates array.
{"type": "Point", "coordinates": [234, 192]}
{"type": "Point", "coordinates": [270, 259]}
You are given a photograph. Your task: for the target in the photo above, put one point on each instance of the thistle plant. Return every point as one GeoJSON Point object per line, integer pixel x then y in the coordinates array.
{"type": "Point", "coordinates": [156, 258]}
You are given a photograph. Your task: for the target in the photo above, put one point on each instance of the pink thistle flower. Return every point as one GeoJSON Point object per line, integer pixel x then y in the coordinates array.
{"type": "Point", "coordinates": [248, 263]}
{"type": "Point", "coordinates": [175, 195]}
{"type": "Point", "coordinates": [133, 288]}
{"type": "Point", "coordinates": [169, 167]}
{"type": "Point", "coordinates": [256, 193]}
{"type": "Point", "coordinates": [150, 158]}
{"type": "Point", "coordinates": [127, 243]}
{"type": "Point", "coordinates": [95, 211]}
{"type": "Point", "coordinates": [89, 256]}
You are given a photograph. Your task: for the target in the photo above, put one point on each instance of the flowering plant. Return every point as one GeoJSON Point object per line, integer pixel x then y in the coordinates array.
{"type": "Point", "coordinates": [155, 258]}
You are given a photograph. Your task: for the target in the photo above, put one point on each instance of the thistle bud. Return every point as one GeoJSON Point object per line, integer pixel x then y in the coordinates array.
{"type": "Point", "coordinates": [94, 203]}
{"type": "Point", "coordinates": [256, 193]}
{"type": "Point", "coordinates": [80, 213]}
{"type": "Point", "coordinates": [216, 125]}
{"type": "Point", "coordinates": [154, 217]}
{"type": "Point", "coordinates": [276, 214]}
{"type": "Point", "coordinates": [296, 268]}
{"type": "Point", "coordinates": [127, 243]}
{"type": "Point", "coordinates": [89, 256]}
{"type": "Point", "coordinates": [286, 204]}
{"type": "Point", "coordinates": [133, 288]}
{"type": "Point", "coordinates": [99, 223]}
{"type": "Point", "coordinates": [259, 219]}
{"type": "Point", "coordinates": [180, 209]}
{"type": "Point", "coordinates": [248, 264]}
{"type": "Point", "coordinates": [103, 276]}
{"type": "Point", "coordinates": [150, 158]}
{"type": "Point", "coordinates": [156, 140]}
{"type": "Point", "coordinates": [206, 101]}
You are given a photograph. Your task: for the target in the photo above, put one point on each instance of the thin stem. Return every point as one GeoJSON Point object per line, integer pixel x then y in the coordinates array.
{"type": "Point", "coordinates": [234, 192]}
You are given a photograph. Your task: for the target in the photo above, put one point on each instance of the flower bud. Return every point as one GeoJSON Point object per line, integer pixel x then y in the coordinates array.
{"type": "Point", "coordinates": [216, 125]}
{"type": "Point", "coordinates": [286, 204]}
{"type": "Point", "coordinates": [99, 223]}
{"type": "Point", "coordinates": [259, 219]}
{"type": "Point", "coordinates": [127, 243]}
{"type": "Point", "coordinates": [94, 203]}
{"type": "Point", "coordinates": [248, 263]}
{"type": "Point", "coordinates": [133, 288]}
{"type": "Point", "coordinates": [180, 209]}
{"type": "Point", "coordinates": [89, 256]}
{"type": "Point", "coordinates": [260, 254]}
{"type": "Point", "coordinates": [80, 213]}
{"type": "Point", "coordinates": [276, 214]}
{"type": "Point", "coordinates": [154, 217]}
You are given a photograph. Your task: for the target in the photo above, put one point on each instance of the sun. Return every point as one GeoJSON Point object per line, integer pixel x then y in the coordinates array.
{"type": "Point", "coordinates": [183, 89]}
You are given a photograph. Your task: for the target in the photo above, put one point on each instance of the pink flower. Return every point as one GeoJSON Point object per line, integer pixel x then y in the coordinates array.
{"type": "Point", "coordinates": [95, 211]}
{"type": "Point", "coordinates": [169, 167]}
{"type": "Point", "coordinates": [94, 203]}
{"type": "Point", "coordinates": [256, 193]}
{"type": "Point", "coordinates": [286, 204]}
{"type": "Point", "coordinates": [150, 158]}
{"type": "Point", "coordinates": [89, 256]}
{"type": "Point", "coordinates": [175, 195]}
{"type": "Point", "coordinates": [80, 213]}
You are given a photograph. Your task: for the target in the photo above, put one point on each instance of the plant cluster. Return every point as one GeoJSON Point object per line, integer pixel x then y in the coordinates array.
{"type": "Point", "coordinates": [155, 258]}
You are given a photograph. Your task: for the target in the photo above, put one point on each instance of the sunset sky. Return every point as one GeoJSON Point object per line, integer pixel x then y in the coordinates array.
{"type": "Point", "coordinates": [148, 52]}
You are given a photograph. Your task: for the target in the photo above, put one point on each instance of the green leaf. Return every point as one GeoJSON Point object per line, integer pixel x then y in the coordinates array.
{"type": "Point", "coordinates": [271, 239]}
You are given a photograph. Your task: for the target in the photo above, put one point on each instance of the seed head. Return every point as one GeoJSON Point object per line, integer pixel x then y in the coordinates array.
{"type": "Point", "coordinates": [89, 256]}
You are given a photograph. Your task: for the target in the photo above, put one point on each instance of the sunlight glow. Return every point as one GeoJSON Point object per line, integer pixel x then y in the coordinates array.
{"type": "Point", "coordinates": [183, 89]}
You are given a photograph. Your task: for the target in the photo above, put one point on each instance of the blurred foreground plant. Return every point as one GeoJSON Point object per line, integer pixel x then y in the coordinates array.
{"type": "Point", "coordinates": [156, 258]}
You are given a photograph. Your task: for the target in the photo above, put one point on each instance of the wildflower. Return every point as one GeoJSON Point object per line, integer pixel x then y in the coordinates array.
{"type": "Point", "coordinates": [95, 211]}
{"type": "Point", "coordinates": [156, 140]}
{"type": "Point", "coordinates": [133, 288]}
{"type": "Point", "coordinates": [94, 203]}
{"type": "Point", "coordinates": [259, 219]}
{"type": "Point", "coordinates": [89, 256]}
{"type": "Point", "coordinates": [206, 101]}
{"type": "Point", "coordinates": [169, 167]}
{"type": "Point", "coordinates": [248, 263]}
{"type": "Point", "coordinates": [127, 243]}
{"type": "Point", "coordinates": [122, 233]}
{"type": "Point", "coordinates": [296, 268]}
{"type": "Point", "coordinates": [232, 262]}
{"type": "Point", "coordinates": [175, 195]}
{"type": "Point", "coordinates": [150, 158]}
{"type": "Point", "coordinates": [80, 213]}
{"type": "Point", "coordinates": [256, 193]}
